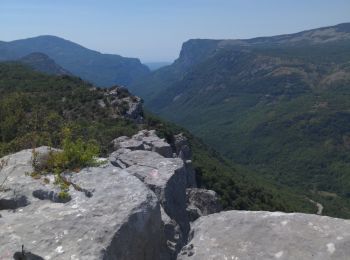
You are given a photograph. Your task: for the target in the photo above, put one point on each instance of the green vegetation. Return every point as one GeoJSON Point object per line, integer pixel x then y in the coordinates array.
{"type": "Point", "coordinates": [74, 156]}
{"type": "Point", "coordinates": [281, 111]}
{"type": "Point", "coordinates": [36, 109]}
{"type": "Point", "coordinates": [238, 187]}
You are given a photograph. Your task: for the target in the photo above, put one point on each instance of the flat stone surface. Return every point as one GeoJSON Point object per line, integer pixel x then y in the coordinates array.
{"type": "Point", "coordinates": [241, 235]}
{"type": "Point", "coordinates": [154, 168]}
{"type": "Point", "coordinates": [120, 220]}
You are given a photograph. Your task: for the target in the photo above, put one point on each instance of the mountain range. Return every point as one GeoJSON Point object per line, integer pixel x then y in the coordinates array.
{"type": "Point", "coordinates": [228, 149]}
{"type": "Point", "coordinates": [101, 69]}
{"type": "Point", "coordinates": [277, 105]}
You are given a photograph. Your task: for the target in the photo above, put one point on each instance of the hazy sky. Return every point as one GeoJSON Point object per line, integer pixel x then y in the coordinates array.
{"type": "Point", "coordinates": [153, 30]}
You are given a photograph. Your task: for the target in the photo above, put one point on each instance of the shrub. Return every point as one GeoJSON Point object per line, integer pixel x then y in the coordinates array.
{"type": "Point", "coordinates": [75, 155]}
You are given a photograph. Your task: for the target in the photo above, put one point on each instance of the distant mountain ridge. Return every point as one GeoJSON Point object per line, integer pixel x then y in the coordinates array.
{"type": "Point", "coordinates": [279, 105]}
{"type": "Point", "coordinates": [195, 51]}
{"type": "Point", "coordinates": [101, 69]}
{"type": "Point", "coordinates": [156, 65]}
{"type": "Point", "coordinates": [43, 63]}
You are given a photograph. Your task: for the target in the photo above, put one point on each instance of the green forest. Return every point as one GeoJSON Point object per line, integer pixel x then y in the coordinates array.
{"type": "Point", "coordinates": [36, 108]}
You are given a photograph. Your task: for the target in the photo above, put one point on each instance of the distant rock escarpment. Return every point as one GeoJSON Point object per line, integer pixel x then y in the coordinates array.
{"type": "Point", "coordinates": [200, 57]}
{"type": "Point", "coordinates": [101, 69]}
{"type": "Point", "coordinates": [143, 203]}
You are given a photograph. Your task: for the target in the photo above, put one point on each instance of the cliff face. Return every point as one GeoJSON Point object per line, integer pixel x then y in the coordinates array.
{"type": "Point", "coordinates": [143, 204]}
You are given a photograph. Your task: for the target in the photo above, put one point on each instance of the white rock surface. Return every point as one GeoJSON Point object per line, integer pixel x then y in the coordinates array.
{"type": "Point", "coordinates": [243, 235]}
{"type": "Point", "coordinates": [167, 177]}
{"type": "Point", "coordinates": [202, 202]}
{"type": "Point", "coordinates": [119, 219]}
{"type": "Point", "coordinates": [138, 209]}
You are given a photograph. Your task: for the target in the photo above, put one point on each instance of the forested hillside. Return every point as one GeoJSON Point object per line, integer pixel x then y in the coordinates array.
{"type": "Point", "coordinates": [35, 108]}
{"type": "Point", "coordinates": [278, 105]}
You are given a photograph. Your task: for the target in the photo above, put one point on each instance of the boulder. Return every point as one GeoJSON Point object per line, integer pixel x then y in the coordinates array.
{"type": "Point", "coordinates": [267, 235]}
{"type": "Point", "coordinates": [116, 142]}
{"type": "Point", "coordinates": [112, 215]}
{"type": "Point", "coordinates": [144, 140]}
{"type": "Point", "coordinates": [202, 202]}
{"type": "Point", "coordinates": [130, 144]}
{"type": "Point", "coordinates": [161, 147]}
{"type": "Point", "coordinates": [135, 110]}
{"type": "Point", "coordinates": [153, 143]}
{"type": "Point", "coordinates": [167, 178]}
{"type": "Point", "coordinates": [182, 147]}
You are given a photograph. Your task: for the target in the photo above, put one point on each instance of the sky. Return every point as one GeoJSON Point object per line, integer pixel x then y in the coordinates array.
{"type": "Point", "coordinates": [154, 30]}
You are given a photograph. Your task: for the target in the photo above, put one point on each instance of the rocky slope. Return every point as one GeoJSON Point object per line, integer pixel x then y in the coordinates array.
{"type": "Point", "coordinates": [101, 69]}
{"type": "Point", "coordinates": [141, 205]}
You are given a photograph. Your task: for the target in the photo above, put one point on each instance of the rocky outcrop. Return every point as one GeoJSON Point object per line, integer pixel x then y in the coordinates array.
{"type": "Point", "coordinates": [182, 147]}
{"type": "Point", "coordinates": [118, 218]}
{"type": "Point", "coordinates": [122, 104]}
{"type": "Point", "coordinates": [142, 205]}
{"type": "Point", "coordinates": [144, 140]}
{"type": "Point", "coordinates": [267, 235]}
{"type": "Point", "coordinates": [202, 202]}
{"type": "Point", "coordinates": [134, 207]}
{"type": "Point", "coordinates": [153, 161]}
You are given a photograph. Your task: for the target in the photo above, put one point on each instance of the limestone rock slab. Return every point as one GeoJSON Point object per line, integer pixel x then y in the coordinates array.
{"type": "Point", "coordinates": [120, 219]}
{"type": "Point", "coordinates": [263, 235]}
